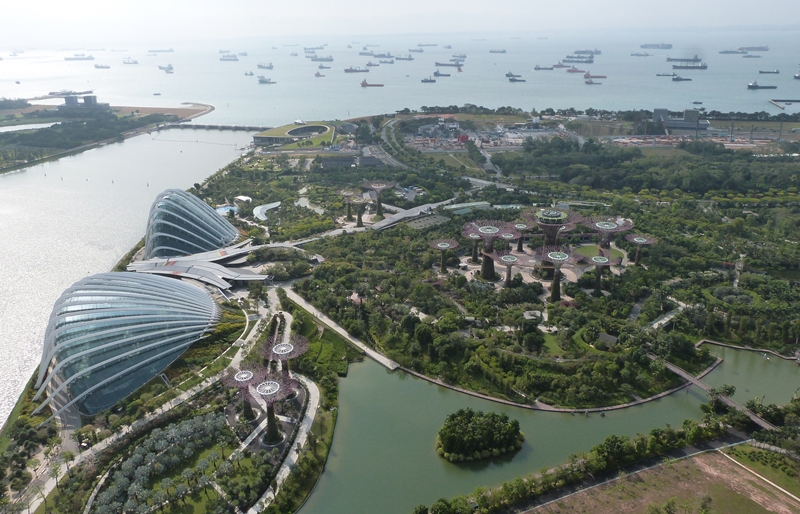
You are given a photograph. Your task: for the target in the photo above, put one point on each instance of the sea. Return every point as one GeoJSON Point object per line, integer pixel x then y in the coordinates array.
{"type": "Point", "coordinates": [63, 220]}
{"type": "Point", "coordinates": [297, 94]}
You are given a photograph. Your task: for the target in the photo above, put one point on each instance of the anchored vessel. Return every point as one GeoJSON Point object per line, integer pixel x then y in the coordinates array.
{"type": "Point", "coordinates": [684, 59]}
{"type": "Point", "coordinates": [690, 66]}
{"type": "Point", "coordinates": [229, 57]}
{"type": "Point", "coordinates": [754, 85]}
{"type": "Point", "coordinates": [264, 80]}
{"type": "Point", "coordinates": [365, 84]}
{"type": "Point", "coordinates": [498, 51]}
{"type": "Point", "coordinates": [543, 68]}
{"type": "Point", "coordinates": [102, 66]}
{"type": "Point", "coordinates": [356, 69]}
{"type": "Point", "coordinates": [678, 78]}
{"type": "Point", "coordinates": [657, 46]}
{"type": "Point", "coordinates": [262, 66]}
{"type": "Point", "coordinates": [428, 80]}
{"type": "Point", "coordinates": [79, 57]}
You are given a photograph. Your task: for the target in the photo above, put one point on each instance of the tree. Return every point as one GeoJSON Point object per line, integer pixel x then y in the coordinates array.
{"type": "Point", "coordinates": [54, 471]}
{"type": "Point", "coordinates": [66, 457]}
{"type": "Point", "coordinates": [181, 491]}
{"type": "Point", "coordinates": [166, 484]}
{"type": "Point", "coordinates": [159, 499]}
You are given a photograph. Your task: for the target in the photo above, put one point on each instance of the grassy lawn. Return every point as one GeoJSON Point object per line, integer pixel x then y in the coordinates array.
{"type": "Point", "coordinates": [551, 346]}
{"type": "Point", "coordinates": [591, 251]}
{"type": "Point", "coordinates": [195, 503]}
{"type": "Point", "coordinates": [456, 160]}
{"type": "Point", "coordinates": [732, 490]}
{"type": "Point", "coordinates": [768, 465]}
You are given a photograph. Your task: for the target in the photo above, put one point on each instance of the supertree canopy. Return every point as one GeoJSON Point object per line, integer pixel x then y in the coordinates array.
{"type": "Point", "coordinates": [607, 226]}
{"type": "Point", "coordinates": [359, 201]}
{"type": "Point", "coordinates": [443, 245]}
{"type": "Point", "coordinates": [601, 262]}
{"type": "Point", "coordinates": [553, 222]}
{"type": "Point", "coordinates": [509, 260]}
{"type": "Point", "coordinates": [639, 240]}
{"type": "Point", "coordinates": [521, 227]}
{"type": "Point", "coordinates": [278, 350]}
{"type": "Point", "coordinates": [488, 231]}
{"type": "Point", "coordinates": [273, 388]}
{"type": "Point", "coordinates": [243, 379]}
{"type": "Point", "coordinates": [348, 199]}
{"type": "Point", "coordinates": [378, 186]}
{"type": "Point", "coordinates": [558, 256]}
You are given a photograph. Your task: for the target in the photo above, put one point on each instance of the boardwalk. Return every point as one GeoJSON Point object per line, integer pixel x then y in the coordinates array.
{"type": "Point", "coordinates": [705, 387]}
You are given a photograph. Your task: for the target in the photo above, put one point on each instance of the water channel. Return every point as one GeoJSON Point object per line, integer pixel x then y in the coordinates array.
{"type": "Point", "coordinates": [383, 458]}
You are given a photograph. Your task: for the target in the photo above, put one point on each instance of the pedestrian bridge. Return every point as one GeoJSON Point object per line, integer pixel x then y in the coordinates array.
{"type": "Point", "coordinates": [200, 126]}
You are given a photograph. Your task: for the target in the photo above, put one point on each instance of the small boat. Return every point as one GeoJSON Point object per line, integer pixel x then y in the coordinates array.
{"type": "Point", "coordinates": [447, 47]}
{"type": "Point", "coordinates": [318, 74]}
{"type": "Point", "coordinates": [515, 79]}
{"type": "Point", "coordinates": [370, 54]}
{"type": "Point", "coordinates": [542, 68]}
{"type": "Point", "coordinates": [640, 54]}
{"type": "Point", "coordinates": [678, 78]}
{"type": "Point", "coordinates": [406, 58]}
{"type": "Point", "coordinates": [417, 50]}
{"type": "Point", "coordinates": [588, 75]}
{"type": "Point", "coordinates": [264, 80]}
{"type": "Point", "coordinates": [591, 82]}
{"type": "Point", "coordinates": [460, 70]}
{"type": "Point", "coordinates": [364, 83]}
{"type": "Point", "coordinates": [769, 71]}
{"type": "Point", "coordinates": [697, 103]}
{"type": "Point", "coordinates": [497, 51]}
{"type": "Point", "coordinates": [262, 66]}
{"type": "Point", "coordinates": [673, 74]}
{"type": "Point", "coordinates": [391, 61]}
{"type": "Point", "coordinates": [156, 94]}
{"type": "Point", "coordinates": [229, 57]}
{"type": "Point", "coordinates": [575, 70]}
{"type": "Point", "coordinates": [323, 67]}
{"type": "Point", "coordinates": [751, 56]}
{"type": "Point", "coordinates": [754, 85]}
{"type": "Point", "coordinates": [248, 73]}
{"type": "Point", "coordinates": [102, 66]}
{"type": "Point", "coordinates": [128, 60]}
{"type": "Point", "coordinates": [438, 73]}
{"type": "Point", "coordinates": [169, 72]}
{"type": "Point", "coordinates": [797, 76]}
{"type": "Point", "coordinates": [168, 67]}
{"type": "Point", "coordinates": [428, 80]}
{"type": "Point", "coordinates": [510, 75]}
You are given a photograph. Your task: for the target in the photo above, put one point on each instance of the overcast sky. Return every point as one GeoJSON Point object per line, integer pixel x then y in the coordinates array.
{"type": "Point", "coordinates": [54, 22]}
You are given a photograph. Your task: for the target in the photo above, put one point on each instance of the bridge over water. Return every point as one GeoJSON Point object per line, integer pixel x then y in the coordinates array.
{"type": "Point", "coordinates": [201, 126]}
{"type": "Point", "coordinates": [705, 387]}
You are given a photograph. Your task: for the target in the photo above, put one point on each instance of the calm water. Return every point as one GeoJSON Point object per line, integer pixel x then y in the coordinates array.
{"type": "Point", "coordinates": [57, 231]}
{"type": "Point", "coordinates": [383, 457]}
{"type": "Point", "coordinates": [632, 83]}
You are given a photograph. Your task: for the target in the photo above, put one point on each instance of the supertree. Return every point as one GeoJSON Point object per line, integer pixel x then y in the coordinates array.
{"type": "Point", "coordinates": [274, 388]}
{"type": "Point", "coordinates": [607, 226]}
{"type": "Point", "coordinates": [521, 227]}
{"type": "Point", "coordinates": [284, 351]}
{"type": "Point", "coordinates": [242, 380]}
{"type": "Point", "coordinates": [639, 240]}
{"type": "Point", "coordinates": [348, 199]}
{"type": "Point", "coordinates": [487, 231]}
{"type": "Point", "coordinates": [378, 187]}
{"type": "Point", "coordinates": [359, 201]}
{"type": "Point", "coordinates": [510, 234]}
{"type": "Point", "coordinates": [509, 260]}
{"type": "Point", "coordinates": [558, 256]}
{"type": "Point", "coordinates": [553, 222]}
{"type": "Point", "coordinates": [443, 245]}
{"type": "Point", "coordinates": [601, 262]}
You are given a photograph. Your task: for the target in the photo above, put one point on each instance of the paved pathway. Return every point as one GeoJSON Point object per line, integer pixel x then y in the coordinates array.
{"type": "Point", "coordinates": [376, 356]}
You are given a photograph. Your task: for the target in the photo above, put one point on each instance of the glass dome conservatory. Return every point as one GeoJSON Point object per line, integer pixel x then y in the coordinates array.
{"type": "Point", "coordinates": [181, 224]}
{"type": "Point", "coordinates": [111, 333]}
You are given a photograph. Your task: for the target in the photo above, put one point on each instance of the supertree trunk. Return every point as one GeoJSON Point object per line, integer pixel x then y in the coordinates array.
{"type": "Point", "coordinates": [487, 268]}
{"type": "Point", "coordinates": [379, 208]}
{"type": "Point", "coordinates": [475, 251]}
{"type": "Point", "coordinates": [555, 287]}
{"type": "Point", "coordinates": [349, 212]}
{"type": "Point", "coordinates": [359, 222]}
{"type": "Point", "coordinates": [519, 244]}
{"type": "Point", "coordinates": [442, 267]}
{"type": "Point", "coordinates": [273, 435]}
{"type": "Point", "coordinates": [598, 281]}
{"type": "Point", "coordinates": [638, 253]}
{"type": "Point", "coordinates": [605, 243]}
{"type": "Point", "coordinates": [508, 277]}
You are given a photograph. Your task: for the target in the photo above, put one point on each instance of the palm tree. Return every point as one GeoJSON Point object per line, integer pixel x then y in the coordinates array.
{"type": "Point", "coordinates": [188, 475]}
{"type": "Point", "coordinates": [159, 498]}
{"type": "Point", "coordinates": [213, 457]}
{"type": "Point", "coordinates": [204, 482]}
{"type": "Point", "coordinates": [166, 484]}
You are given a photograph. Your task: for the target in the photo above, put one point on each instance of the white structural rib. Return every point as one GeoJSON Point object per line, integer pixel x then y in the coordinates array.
{"type": "Point", "coordinates": [111, 333]}
{"type": "Point", "coordinates": [181, 224]}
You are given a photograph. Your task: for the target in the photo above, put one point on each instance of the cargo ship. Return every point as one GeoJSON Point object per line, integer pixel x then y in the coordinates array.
{"type": "Point", "coordinates": [323, 67]}
{"type": "Point", "coordinates": [560, 65]}
{"type": "Point", "coordinates": [690, 66]}
{"type": "Point", "coordinates": [356, 69]}
{"type": "Point", "coordinates": [372, 64]}
{"type": "Point", "coordinates": [754, 48]}
{"type": "Point", "coordinates": [673, 74]}
{"type": "Point", "coordinates": [384, 56]}
{"type": "Point", "coordinates": [168, 67]}
{"type": "Point", "coordinates": [313, 48]}
{"type": "Point", "coordinates": [327, 58]}
{"type": "Point", "coordinates": [774, 72]}
{"type": "Point", "coordinates": [369, 54]}
{"type": "Point", "coordinates": [588, 75]}
{"type": "Point", "coordinates": [264, 80]}
{"type": "Point", "coordinates": [417, 50]}
{"type": "Point", "coordinates": [427, 44]}
{"type": "Point", "coordinates": [754, 85]}
{"type": "Point", "coordinates": [263, 66]}
{"type": "Point", "coordinates": [577, 60]}
{"type": "Point", "coordinates": [438, 73]}
{"type": "Point", "coordinates": [229, 57]}
{"type": "Point", "coordinates": [365, 84]}
{"type": "Point", "coordinates": [79, 57]}
{"type": "Point", "coordinates": [390, 61]}
{"type": "Point", "coordinates": [293, 54]}
{"type": "Point", "coordinates": [684, 59]}
{"type": "Point", "coordinates": [168, 50]}
{"type": "Point", "coordinates": [102, 66]}
{"type": "Point", "coordinates": [511, 75]}
{"type": "Point", "coordinates": [678, 78]}
{"type": "Point", "coordinates": [128, 60]}
{"type": "Point", "coordinates": [587, 52]}
{"type": "Point", "coordinates": [428, 80]}
{"type": "Point", "coordinates": [575, 70]}
{"type": "Point", "coordinates": [640, 54]}
{"type": "Point", "coordinates": [406, 58]}
{"type": "Point", "coordinates": [733, 51]}
{"type": "Point", "coordinates": [543, 68]}
{"type": "Point", "coordinates": [460, 56]}
{"type": "Point", "coordinates": [248, 74]}
{"type": "Point", "coordinates": [497, 51]}
{"type": "Point", "coordinates": [591, 82]}
{"type": "Point", "coordinates": [515, 79]}
{"type": "Point", "coordinates": [751, 56]}
{"type": "Point", "coordinates": [450, 64]}
{"type": "Point", "coordinates": [656, 46]}
{"type": "Point", "coordinates": [318, 74]}
{"type": "Point", "coordinates": [447, 47]}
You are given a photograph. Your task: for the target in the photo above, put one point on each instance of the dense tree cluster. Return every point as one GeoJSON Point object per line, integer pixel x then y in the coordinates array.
{"type": "Point", "coordinates": [472, 435]}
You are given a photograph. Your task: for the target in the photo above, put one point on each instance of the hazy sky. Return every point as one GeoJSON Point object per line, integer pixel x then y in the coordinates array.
{"type": "Point", "coordinates": [62, 23]}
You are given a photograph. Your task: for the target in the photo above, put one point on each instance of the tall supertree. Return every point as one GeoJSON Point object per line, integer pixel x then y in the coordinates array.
{"type": "Point", "coordinates": [510, 234]}
{"type": "Point", "coordinates": [378, 186]}
{"type": "Point", "coordinates": [509, 260]}
{"type": "Point", "coordinates": [274, 388]}
{"type": "Point", "coordinates": [639, 240]}
{"type": "Point", "coordinates": [243, 379]}
{"type": "Point", "coordinates": [553, 222]}
{"type": "Point", "coordinates": [470, 233]}
{"type": "Point", "coordinates": [558, 256]}
{"type": "Point", "coordinates": [607, 226]}
{"type": "Point", "coordinates": [601, 262]}
{"type": "Point", "coordinates": [348, 195]}
{"type": "Point", "coordinates": [359, 202]}
{"type": "Point", "coordinates": [284, 351]}
{"type": "Point", "coordinates": [521, 227]}
{"type": "Point", "coordinates": [488, 231]}
{"type": "Point", "coordinates": [443, 245]}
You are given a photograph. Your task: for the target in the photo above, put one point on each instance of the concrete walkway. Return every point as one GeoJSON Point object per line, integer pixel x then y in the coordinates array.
{"type": "Point", "coordinates": [374, 355]}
